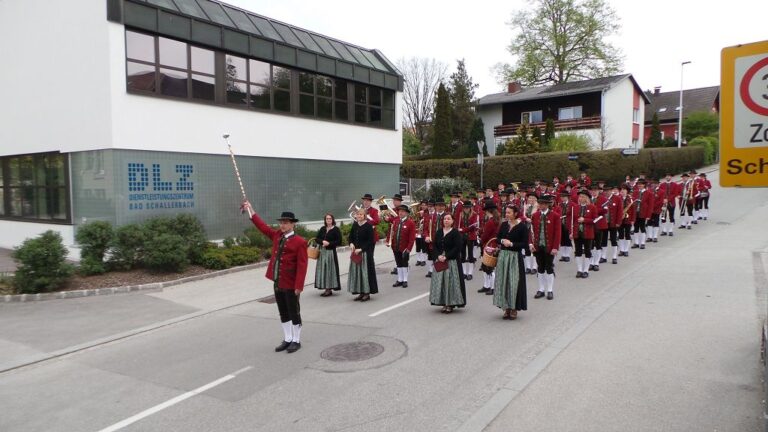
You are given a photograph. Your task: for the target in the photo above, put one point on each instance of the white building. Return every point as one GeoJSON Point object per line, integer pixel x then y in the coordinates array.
{"type": "Point", "coordinates": [115, 110]}
{"type": "Point", "coordinates": [609, 111]}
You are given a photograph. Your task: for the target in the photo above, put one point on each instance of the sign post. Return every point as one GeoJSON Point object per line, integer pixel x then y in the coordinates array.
{"type": "Point", "coordinates": [744, 115]}
{"type": "Point", "coordinates": [480, 160]}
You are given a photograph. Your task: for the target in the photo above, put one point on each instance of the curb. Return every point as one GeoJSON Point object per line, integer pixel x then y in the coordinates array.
{"type": "Point", "coordinates": [150, 287]}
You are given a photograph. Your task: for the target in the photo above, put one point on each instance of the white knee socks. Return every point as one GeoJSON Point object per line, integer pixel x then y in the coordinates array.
{"type": "Point", "coordinates": [296, 333]}
{"type": "Point", "coordinates": [287, 331]}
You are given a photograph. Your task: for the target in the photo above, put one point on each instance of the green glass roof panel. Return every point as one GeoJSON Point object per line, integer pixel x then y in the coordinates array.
{"type": "Point", "coordinates": [359, 56]}
{"type": "Point", "coordinates": [216, 13]}
{"type": "Point", "coordinates": [307, 40]}
{"type": "Point", "coordinates": [190, 7]}
{"type": "Point", "coordinates": [168, 4]}
{"type": "Point", "coordinates": [287, 34]}
{"type": "Point", "coordinates": [343, 51]}
{"type": "Point", "coordinates": [375, 61]}
{"type": "Point", "coordinates": [326, 46]}
{"type": "Point", "coordinates": [265, 27]}
{"type": "Point", "coordinates": [241, 20]}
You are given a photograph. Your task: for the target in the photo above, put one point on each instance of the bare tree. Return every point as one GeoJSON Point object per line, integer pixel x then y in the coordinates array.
{"type": "Point", "coordinates": [422, 77]}
{"type": "Point", "coordinates": [605, 132]}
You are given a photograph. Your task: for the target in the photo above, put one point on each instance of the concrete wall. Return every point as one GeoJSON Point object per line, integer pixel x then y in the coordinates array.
{"type": "Point", "coordinates": [54, 81]}
{"type": "Point", "coordinates": [617, 114]}
{"type": "Point", "coordinates": [14, 233]}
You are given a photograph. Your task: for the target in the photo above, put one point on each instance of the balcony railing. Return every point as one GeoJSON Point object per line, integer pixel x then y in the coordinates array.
{"type": "Point", "coordinates": [560, 125]}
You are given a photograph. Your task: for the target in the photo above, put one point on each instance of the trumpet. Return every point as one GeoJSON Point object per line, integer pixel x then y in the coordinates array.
{"type": "Point", "coordinates": [664, 211]}
{"type": "Point", "coordinates": [353, 208]}
{"type": "Point", "coordinates": [384, 205]}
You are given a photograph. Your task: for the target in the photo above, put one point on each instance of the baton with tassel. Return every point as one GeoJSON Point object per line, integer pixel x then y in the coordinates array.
{"type": "Point", "coordinates": [237, 172]}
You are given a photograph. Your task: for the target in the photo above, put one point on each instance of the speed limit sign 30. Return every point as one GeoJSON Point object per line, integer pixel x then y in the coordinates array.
{"type": "Point", "coordinates": [744, 115]}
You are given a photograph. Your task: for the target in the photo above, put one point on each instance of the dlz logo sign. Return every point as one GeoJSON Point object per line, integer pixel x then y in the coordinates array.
{"type": "Point", "coordinates": [139, 178]}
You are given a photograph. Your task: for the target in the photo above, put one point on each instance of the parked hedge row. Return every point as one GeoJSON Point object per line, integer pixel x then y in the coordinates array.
{"type": "Point", "coordinates": [608, 165]}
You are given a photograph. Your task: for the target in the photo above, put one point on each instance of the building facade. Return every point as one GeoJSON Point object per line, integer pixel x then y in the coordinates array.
{"type": "Point", "coordinates": [608, 111]}
{"type": "Point", "coordinates": [666, 106]}
{"type": "Point", "coordinates": [115, 110]}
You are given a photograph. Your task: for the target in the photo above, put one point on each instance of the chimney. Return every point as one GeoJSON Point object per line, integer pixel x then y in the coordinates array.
{"type": "Point", "coordinates": [514, 87]}
{"type": "Point", "coordinates": [656, 90]}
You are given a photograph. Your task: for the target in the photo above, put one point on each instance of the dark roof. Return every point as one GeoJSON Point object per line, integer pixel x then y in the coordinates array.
{"type": "Point", "coordinates": [665, 104]}
{"type": "Point", "coordinates": [240, 30]}
{"type": "Point", "coordinates": [557, 90]}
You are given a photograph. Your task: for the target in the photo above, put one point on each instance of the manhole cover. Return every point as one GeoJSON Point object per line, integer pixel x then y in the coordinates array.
{"type": "Point", "coordinates": [723, 223]}
{"type": "Point", "coordinates": [353, 351]}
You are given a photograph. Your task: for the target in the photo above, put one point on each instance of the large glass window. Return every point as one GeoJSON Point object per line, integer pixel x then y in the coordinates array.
{"type": "Point", "coordinates": [163, 66]}
{"type": "Point", "coordinates": [569, 113]}
{"type": "Point", "coordinates": [34, 187]}
{"type": "Point", "coordinates": [531, 117]}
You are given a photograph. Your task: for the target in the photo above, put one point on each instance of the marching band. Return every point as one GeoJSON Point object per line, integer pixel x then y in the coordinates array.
{"type": "Point", "coordinates": [541, 222]}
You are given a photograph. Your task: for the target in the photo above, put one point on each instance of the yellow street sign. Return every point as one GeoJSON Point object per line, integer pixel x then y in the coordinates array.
{"type": "Point", "coordinates": [744, 115]}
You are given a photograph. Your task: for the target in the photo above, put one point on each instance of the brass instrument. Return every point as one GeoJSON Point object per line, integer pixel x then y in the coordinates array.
{"type": "Point", "coordinates": [353, 208]}
{"type": "Point", "coordinates": [687, 195]}
{"type": "Point", "coordinates": [382, 202]}
{"type": "Point", "coordinates": [631, 203]}
{"type": "Point", "coordinates": [664, 211]}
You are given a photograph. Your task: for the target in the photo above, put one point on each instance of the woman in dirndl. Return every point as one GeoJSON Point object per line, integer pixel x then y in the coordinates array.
{"type": "Point", "coordinates": [327, 270]}
{"type": "Point", "coordinates": [362, 274]}
{"type": "Point", "coordinates": [447, 286]}
{"type": "Point", "coordinates": [509, 292]}
{"type": "Point", "coordinates": [489, 230]}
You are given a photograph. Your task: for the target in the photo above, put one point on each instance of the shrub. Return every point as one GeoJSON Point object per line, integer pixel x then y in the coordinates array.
{"type": "Point", "coordinates": [256, 238]}
{"type": "Point", "coordinates": [228, 242]}
{"type": "Point", "coordinates": [242, 255]}
{"type": "Point", "coordinates": [710, 145]}
{"type": "Point", "coordinates": [302, 231]}
{"type": "Point", "coordinates": [42, 264]}
{"type": "Point", "coordinates": [166, 252]}
{"type": "Point", "coordinates": [570, 142]}
{"type": "Point", "coordinates": [188, 227]}
{"type": "Point", "coordinates": [94, 239]}
{"type": "Point", "coordinates": [216, 259]}
{"type": "Point", "coordinates": [440, 189]}
{"type": "Point", "coordinates": [607, 165]}
{"type": "Point", "coordinates": [127, 246]}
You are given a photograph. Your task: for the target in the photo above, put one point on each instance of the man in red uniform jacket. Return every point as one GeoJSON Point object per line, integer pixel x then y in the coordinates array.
{"type": "Point", "coordinates": [401, 238]}
{"type": "Point", "coordinates": [287, 269]}
{"type": "Point", "coordinates": [668, 192]}
{"type": "Point", "coordinates": [614, 218]}
{"type": "Point", "coordinates": [582, 231]}
{"type": "Point", "coordinates": [455, 207]}
{"type": "Point", "coordinates": [601, 227]}
{"type": "Point", "coordinates": [372, 214]}
{"type": "Point", "coordinates": [545, 242]}
{"type": "Point", "coordinates": [688, 191]}
{"type": "Point", "coordinates": [643, 210]}
{"type": "Point", "coordinates": [628, 209]}
{"type": "Point", "coordinates": [704, 193]}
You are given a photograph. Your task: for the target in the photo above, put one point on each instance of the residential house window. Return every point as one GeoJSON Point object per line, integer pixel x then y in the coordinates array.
{"type": "Point", "coordinates": [531, 117]}
{"type": "Point", "coordinates": [635, 115]}
{"type": "Point", "coordinates": [569, 113]}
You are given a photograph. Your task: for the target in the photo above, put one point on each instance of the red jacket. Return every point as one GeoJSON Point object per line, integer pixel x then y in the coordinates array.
{"type": "Point", "coordinates": [630, 213]}
{"type": "Point", "coordinates": [688, 191]}
{"type": "Point", "coordinates": [373, 219]}
{"type": "Point", "coordinates": [293, 260]}
{"type": "Point", "coordinates": [668, 191]}
{"type": "Point", "coordinates": [490, 230]}
{"type": "Point", "coordinates": [470, 225]}
{"type": "Point", "coordinates": [552, 231]}
{"type": "Point", "coordinates": [430, 225]}
{"type": "Point", "coordinates": [601, 203]}
{"type": "Point", "coordinates": [643, 208]}
{"type": "Point", "coordinates": [615, 211]}
{"type": "Point", "coordinates": [407, 234]}
{"type": "Point", "coordinates": [589, 215]}
{"type": "Point", "coordinates": [658, 200]}
{"type": "Point", "coordinates": [586, 181]}
{"type": "Point", "coordinates": [455, 211]}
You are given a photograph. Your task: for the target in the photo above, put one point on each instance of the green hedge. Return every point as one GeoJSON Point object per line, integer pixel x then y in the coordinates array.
{"type": "Point", "coordinates": [608, 165]}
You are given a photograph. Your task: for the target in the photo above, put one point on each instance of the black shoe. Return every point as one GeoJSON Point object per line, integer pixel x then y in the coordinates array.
{"type": "Point", "coordinates": [397, 284]}
{"type": "Point", "coordinates": [591, 267]}
{"type": "Point", "coordinates": [429, 275]}
{"type": "Point", "coordinates": [483, 289]}
{"type": "Point", "coordinates": [596, 268]}
{"type": "Point", "coordinates": [671, 234]}
{"type": "Point", "coordinates": [681, 227]}
{"type": "Point", "coordinates": [293, 347]}
{"type": "Point", "coordinates": [579, 275]}
{"type": "Point", "coordinates": [550, 296]}
{"type": "Point", "coordinates": [603, 260]}
{"type": "Point", "coordinates": [562, 259]}
{"type": "Point", "coordinates": [705, 218]}
{"type": "Point", "coordinates": [614, 261]}
{"type": "Point", "coordinates": [655, 240]}
{"type": "Point", "coordinates": [539, 294]}
{"type": "Point", "coordinates": [695, 222]}
{"type": "Point", "coordinates": [663, 234]}
{"type": "Point", "coordinates": [489, 292]}
{"type": "Point", "coordinates": [469, 277]}
{"type": "Point", "coordinates": [567, 259]}
{"type": "Point", "coordinates": [404, 285]}
{"type": "Point", "coordinates": [689, 227]}
{"type": "Point", "coordinates": [394, 271]}
{"type": "Point", "coordinates": [585, 275]}
{"type": "Point", "coordinates": [642, 246]}
{"type": "Point", "coordinates": [282, 346]}
{"type": "Point", "coordinates": [635, 246]}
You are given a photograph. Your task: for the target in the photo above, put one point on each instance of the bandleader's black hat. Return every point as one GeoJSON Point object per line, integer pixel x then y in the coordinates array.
{"type": "Point", "coordinates": [431, 202]}
{"type": "Point", "coordinates": [455, 194]}
{"type": "Point", "coordinates": [685, 175]}
{"type": "Point", "coordinates": [367, 197]}
{"type": "Point", "coordinates": [289, 216]}
{"type": "Point", "coordinates": [404, 207]}
{"type": "Point", "coordinates": [439, 202]}
{"type": "Point", "coordinates": [546, 199]}
{"type": "Point", "coordinates": [467, 203]}
{"type": "Point", "coordinates": [397, 197]}
{"type": "Point", "coordinates": [489, 205]}
{"type": "Point", "coordinates": [584, 192]}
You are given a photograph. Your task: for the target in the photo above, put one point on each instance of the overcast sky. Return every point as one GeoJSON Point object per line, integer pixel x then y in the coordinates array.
{"type": "Point", "coordinates": [655, 37]}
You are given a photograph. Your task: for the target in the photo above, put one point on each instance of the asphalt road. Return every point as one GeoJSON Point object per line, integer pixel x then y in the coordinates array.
{"type": "Point", "coordinates": [667, 340]}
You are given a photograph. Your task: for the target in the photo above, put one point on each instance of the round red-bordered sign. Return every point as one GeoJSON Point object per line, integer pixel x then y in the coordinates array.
{"type": "Point", "coordinates": [744, 88]}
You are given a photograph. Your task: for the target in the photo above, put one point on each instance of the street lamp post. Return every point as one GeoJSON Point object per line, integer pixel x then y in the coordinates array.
{"type": "Point", "coordinates": [680, 112]}
{"type": "Point", "coordinates": [480, 160]}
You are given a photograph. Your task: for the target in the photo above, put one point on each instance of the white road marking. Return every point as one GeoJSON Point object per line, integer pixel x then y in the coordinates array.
{"type": "Point", "coordinates": [385, 310]}
{"type": "Point", "coordinates": [172, 402]}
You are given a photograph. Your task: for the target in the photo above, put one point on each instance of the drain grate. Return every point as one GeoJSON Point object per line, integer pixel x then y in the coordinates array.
{"type": "Point", "coordinates": [353, 351]}
{"type": "Point", "coordinates": [270, 299]}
